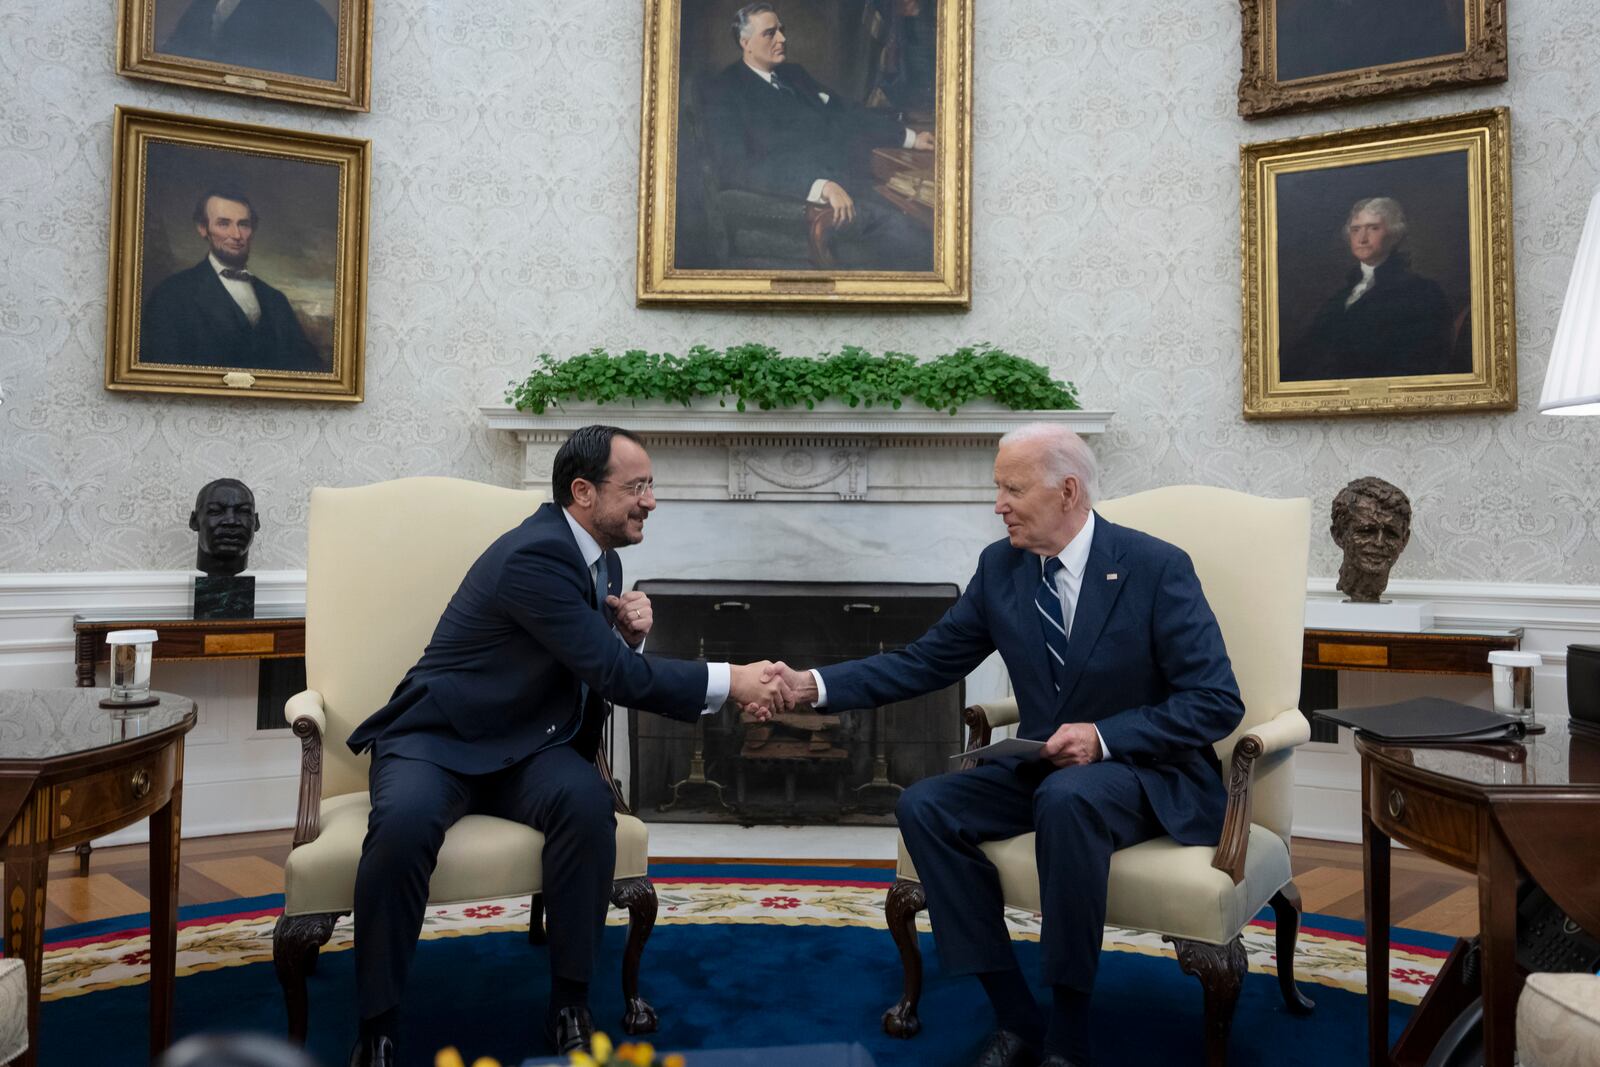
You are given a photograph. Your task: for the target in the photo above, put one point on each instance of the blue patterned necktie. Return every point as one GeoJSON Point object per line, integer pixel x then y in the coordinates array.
{"type": "Point", "coordinates": [1051, 620]}
{"type": "Point", "coordinates": [602, 582]}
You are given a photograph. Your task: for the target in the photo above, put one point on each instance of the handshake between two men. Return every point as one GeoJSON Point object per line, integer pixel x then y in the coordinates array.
{"type": "Point", "coordinates": [766, 688]}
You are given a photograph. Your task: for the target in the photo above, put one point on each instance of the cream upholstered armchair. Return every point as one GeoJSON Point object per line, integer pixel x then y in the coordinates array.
{"type": "Point", "coordinates": [1250, 554]}
{"type": "Point", "coordinates": [382, 562]}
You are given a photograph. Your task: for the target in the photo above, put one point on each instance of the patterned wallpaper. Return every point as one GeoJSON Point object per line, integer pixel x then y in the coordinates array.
{"type": "Point", "coordinates": [503, 203]}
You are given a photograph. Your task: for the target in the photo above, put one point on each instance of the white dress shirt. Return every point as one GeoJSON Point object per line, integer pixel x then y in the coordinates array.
{"type": "Point", "coordinates": [243, 293]}
{"type": "Point", "coordinates": [719, 677]}
{"type": "Point", "coordinates": [1368, 276]}
{"type": "Point", "coordinates": [1069, 581]}
{"type": "Point", "coordinates": [815, 196]}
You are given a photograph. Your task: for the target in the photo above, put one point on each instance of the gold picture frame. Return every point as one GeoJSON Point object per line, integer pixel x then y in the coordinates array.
{"type": "Point", "coordinates": [1377, 270]}
{"type": "Point", "coordinates": [238, 259]}
{"type": "Point", "coordinates": [300, 51]}
{"type": "Point", "coordinates": [726, 215]}
{"type": "Point", "coordinates": [1322, 54]}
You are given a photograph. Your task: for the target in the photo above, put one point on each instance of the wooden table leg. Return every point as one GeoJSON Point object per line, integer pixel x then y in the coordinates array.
{"type": "Point", "coordinates": [165, 826]}
{"type": "Point", "coordinates": [24, 910]}
{"type": "Point", "coordinates": [1497, 929]}
{"type": "Point", "coordinates": [1375, 871]}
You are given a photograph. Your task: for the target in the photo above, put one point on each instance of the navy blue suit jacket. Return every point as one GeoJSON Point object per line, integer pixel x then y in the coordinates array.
{"type": "Point", "coordinates": [1146, 664]}
{"type": "Point", "coordinates": [191, 319]}
{"type": "Point", "coordinates": [502, 676]}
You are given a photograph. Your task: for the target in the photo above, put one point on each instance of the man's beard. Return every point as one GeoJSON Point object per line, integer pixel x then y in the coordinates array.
{"type": "Point", "coordinates": [231, 259]}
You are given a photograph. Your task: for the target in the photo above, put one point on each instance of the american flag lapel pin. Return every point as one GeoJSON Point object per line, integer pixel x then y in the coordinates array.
{"type": "Point", "coordinates": [1111, 577]}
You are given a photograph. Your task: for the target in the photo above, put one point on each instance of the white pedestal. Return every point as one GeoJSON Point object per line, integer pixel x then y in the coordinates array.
{"type": "Point", "coordinates": [1388, 616]}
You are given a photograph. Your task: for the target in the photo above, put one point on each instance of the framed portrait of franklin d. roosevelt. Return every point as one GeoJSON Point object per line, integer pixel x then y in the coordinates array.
{"type": "Point", "coordinates": [1377, 270]}
{"type": "Point", "coordinates": [238, 259]}
{"type": "Point", "coordinates": [1301, 54]}
{"type": "Point", "coordinates": [806, 151]}
{"type": "Point", "coordinates": [301, 51]}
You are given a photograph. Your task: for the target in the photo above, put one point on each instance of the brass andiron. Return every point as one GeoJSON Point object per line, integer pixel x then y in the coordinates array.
{"type": "Point", "coordinates": [880, 756]}
{"type": "Point", "coordinates": [696, 778]}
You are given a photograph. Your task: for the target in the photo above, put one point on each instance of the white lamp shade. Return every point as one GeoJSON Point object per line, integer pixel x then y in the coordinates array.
{"type": "Point", "coordinates": [1572, 380]}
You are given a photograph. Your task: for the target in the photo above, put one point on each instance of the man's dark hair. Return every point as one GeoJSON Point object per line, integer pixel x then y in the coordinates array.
{"type": "Point", "coordinates": [202, 219]}
{"type": "Point", "coordinates": [587, 455]}
{"type": "Point", "coordinates": [742, 17]}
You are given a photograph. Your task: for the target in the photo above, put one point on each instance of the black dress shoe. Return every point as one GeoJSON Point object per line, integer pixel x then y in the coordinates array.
{"type": "Point", "coordinates": [571, 1029]}
{"type": "Point", "coordinates": [373, 1052]}
{"type": "Point", "coordinates": [1006, 1049]}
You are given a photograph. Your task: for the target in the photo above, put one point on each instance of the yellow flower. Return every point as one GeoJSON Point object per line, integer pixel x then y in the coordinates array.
{"type": "Point", "coordinates": [580, 1058]}
{"type": "Point", "coordinates": [673, 1060]}
{"type": "Point", "coordinates": [600, 1045]}
{"type": "Point", "coordinates": [642, 1054]}
{"type": "Point", "coordinates": [485, 1061]}
{"type": "Point", "coordinates": [447, 1057]}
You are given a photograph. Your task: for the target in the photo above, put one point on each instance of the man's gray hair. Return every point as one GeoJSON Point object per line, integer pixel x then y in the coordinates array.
{"type": "Point", "coordinates": [742, 17]}
{"type": "Point", "coordinates": [1065, 455]}
{"type": "Point", "coordinates": [1386, 208]}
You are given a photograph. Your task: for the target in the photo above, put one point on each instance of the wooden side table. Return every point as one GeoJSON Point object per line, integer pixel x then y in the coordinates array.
{"type": "Point", "coordinates": [182, 637]}
{"type": "Point", "coordinates": [1505, 811]}
{"type": "Point", "coordinates": [74, 772]}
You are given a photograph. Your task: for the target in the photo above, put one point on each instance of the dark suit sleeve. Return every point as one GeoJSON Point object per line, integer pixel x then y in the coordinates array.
{"type": "Point", "coordinates": [1203, 706]}
{"type": "Point", "coordinates": [944, 655]}
{"type": "Point", "coordinates": [548, 596]}
{"type": "Point", "coordinates": [291, 349]}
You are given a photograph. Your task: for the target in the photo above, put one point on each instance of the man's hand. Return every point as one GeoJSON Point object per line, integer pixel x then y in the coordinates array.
{"type": "Point", "coordinates": [759, 688]}
{"type": "Point", "coordinates": [1074, 744]}
{"type": "Point", "coordinates": [844, 208]}
{"type": "Point", "coordinates": [924, 142]}
{"type": "Point", "coordinates": [801, 683]}
{"type": "Point", "coordinates": [633, 616]}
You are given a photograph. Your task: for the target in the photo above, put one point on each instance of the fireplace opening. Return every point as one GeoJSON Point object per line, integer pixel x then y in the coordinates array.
{"type": "Point", "coordinates": [809, 766]}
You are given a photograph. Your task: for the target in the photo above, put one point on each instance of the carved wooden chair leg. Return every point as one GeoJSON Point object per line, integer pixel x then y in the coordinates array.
{"type": "Point", "coordinates": [638, 895]}
{"type": "Point", "coordinates": [900, 907]}
{"type": "Point", "coordinates": [1286, 909]}
{"type": "Point", "coordinates": [1221, 970]}
{"type": "Point", "coordinates": [537, 935]}
{"type": "Point", "coordinates": [296, 940]}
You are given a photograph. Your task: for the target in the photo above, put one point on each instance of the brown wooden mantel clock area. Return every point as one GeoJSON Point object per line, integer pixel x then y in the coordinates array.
{"type": "Point", "coordinates": [75, 772]}
{"type": "Point", "coordinates": [1508, 812]}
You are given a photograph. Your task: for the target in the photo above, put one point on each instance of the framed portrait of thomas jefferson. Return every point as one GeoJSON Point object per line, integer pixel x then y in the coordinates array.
{"type": "Point", "coordinates": [302, 51]}
{"type": "Point", "coordinates": [1377, 270]}
{"type": "Point", "coordinates": [238, 259]}
{"type": "Point", "coordinates": [1301, 54]}
{"type": "Point", "coordinates": [806, 151]}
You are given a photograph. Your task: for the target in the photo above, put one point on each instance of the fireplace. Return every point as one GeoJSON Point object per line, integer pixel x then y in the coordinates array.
{"type": "Point", "coordinates": [835, 765]}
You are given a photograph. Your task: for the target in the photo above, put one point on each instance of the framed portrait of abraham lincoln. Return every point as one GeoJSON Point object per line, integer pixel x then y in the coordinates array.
{"type": "Point", "coordinates": [1301, 54]}
{"type": "Point", "coordinates": [238, 259]}
{"type": "Point", "coordinates": [806, 151]}
{"type": "Point", "coordinates": [1377, 270]}
{"type": "Point", "coordinates": [301, 51]}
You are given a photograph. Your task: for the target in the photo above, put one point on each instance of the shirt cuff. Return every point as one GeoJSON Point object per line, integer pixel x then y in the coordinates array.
{"type": "Point", "coordinates": [816, 191]}
{"type": "Point", "coordinates": [911, 138]}
{"type": "Point", "coordinates": [719, 679]}
{"type": "Point", "coordinates": [1105, 751]}
{"type": "Point", "coordinates": [822, 690]}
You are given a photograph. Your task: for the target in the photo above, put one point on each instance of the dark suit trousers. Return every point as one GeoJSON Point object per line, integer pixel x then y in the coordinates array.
{"type": "Point", "coordinates": [556, 791]}
{"type": "Point", "coordinates": [882, 238]}
{"type": "Point", "coordinates": [1081, 816]}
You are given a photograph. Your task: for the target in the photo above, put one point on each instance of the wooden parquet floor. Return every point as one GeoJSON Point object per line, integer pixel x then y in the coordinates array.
{"type": "Point", "coordinates": [1427, 895]}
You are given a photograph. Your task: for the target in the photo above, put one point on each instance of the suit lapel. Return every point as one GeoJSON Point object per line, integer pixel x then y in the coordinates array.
{"type": "Point", "coordinates": [1025, 581]}
{"type": "Point", "coordinates": [1104, 575]}
{"type": "Point", "coordinates": [219, 297]}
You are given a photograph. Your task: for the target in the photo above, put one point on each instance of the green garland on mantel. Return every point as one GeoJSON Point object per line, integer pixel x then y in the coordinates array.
{"type": "Point", "coordinates": [757, 375]}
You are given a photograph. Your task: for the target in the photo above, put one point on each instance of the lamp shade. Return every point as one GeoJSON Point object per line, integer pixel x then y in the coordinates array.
{"type": "Point", "coordinates": [1572, 380]}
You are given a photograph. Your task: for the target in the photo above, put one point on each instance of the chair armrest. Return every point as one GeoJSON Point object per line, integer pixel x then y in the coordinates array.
{"type": "Point", "coordinates": [603, 765]}
{"type": "Point", "coordinates": [1283, 731]}
{"type": "Point", "coordinates": [981, 721]}
{"type": "Point", "coordinates": [308, 720]}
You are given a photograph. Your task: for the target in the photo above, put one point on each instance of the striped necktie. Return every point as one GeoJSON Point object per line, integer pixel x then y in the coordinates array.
{"type": "Point", "coordinates": [1048, 601]}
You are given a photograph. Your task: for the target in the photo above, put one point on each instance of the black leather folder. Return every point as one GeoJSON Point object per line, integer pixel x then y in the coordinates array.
{"type": "Point", "coordinates": [1428, 719]}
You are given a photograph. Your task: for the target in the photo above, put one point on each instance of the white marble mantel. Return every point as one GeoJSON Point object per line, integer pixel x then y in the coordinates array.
{"type": "Point", "coordinates": [707, 452]}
